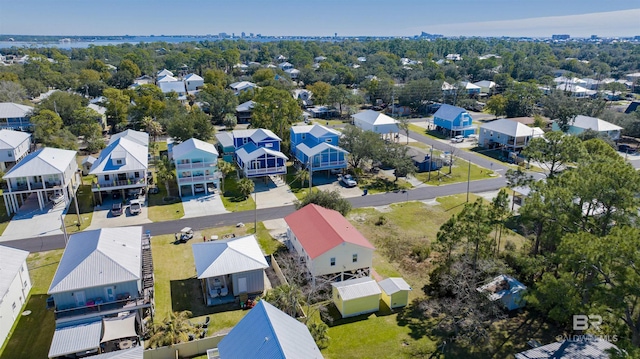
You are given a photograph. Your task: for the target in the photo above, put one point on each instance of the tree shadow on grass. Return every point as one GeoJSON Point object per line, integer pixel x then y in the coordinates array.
{"type": "Point", "coordinates": [32, 335]}
{"type": "Point", "coordinates": [186, 294]}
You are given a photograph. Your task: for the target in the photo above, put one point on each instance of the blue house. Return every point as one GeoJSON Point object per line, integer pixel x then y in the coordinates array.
{"type": "Point", "coordinates": [453, 120]}
{"type": "Point", "coordinates": [316, 147]}
{"type": "Point", "coordinates": [268, 332]}
{"type": "Point", "coordinates": [256, 151]}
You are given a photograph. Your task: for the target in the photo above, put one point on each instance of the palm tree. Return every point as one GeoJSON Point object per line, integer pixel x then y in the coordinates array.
{"type": "Point", "coordinates": [286, 297]}
{"type": "Point", "coordinates": [153, 127]}
{"type": "Point", "coordinates": [225, 168]}
{"type": "Point", "coordinates": [166, 173]}
{"type": "Point", "coordinates": [246, 186]}
{"type": "Point", "coordinates": [172, 330]}
{"type": "Point", "coordinates": [319, 332]}
{"type": "Point", "coordinates": [304, 176]}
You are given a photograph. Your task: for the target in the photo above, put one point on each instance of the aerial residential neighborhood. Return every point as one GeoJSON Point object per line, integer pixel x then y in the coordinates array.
{"type": "Point", "coordinates": [236, 195]}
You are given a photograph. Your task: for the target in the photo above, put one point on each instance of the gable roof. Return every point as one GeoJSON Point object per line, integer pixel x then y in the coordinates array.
{"type": "Point", "coordinates": [485, 83]}
{"type": "Point", "coordinates": [593, 123]}
{"type": "Point", "coordinates": [256, 134]}
{"type": "Point", "coordinates": [176, 86]}
{"type": "Point", "coordinates": [357, 288]}
{"type": "Point", "coordinates": [225, 139]}
{"type": "Point", "coordinates": [46, 160]}
{"type": "Point", "coordinates": [245, 106]}
{"type": "Point", "coordinates": [14, 110]}
{"type": "Point", "coordinates": [241, 85]}
{"type": "Point", "coordinates": [99, 257]}
{"type": "Point", "coordinates": [167, 78]}
{"type": "Point", "coordinates": [394, 285]}
{"type": "Point", "coordinates": [139, 137]}
{"type": "Point", "coordinates": [135, 155]}
{"type": "Point", "coordinates": [164, 72]}
{"type": "Point", "coordinates": [99, 109]}
{"type": "Point", "coordinates": [12, 260]}
{"type": "Point", "coordinates": [250, 152]}
{"type": "Point", "coordinates": [374, 118]}
{"type": "Point", "coordinates": [512, 128]}
{"type": "Point", "coordinates": [90, 160]}
{"type": "Point", "coordinates": [575, 349]}
{"type": "Point", "coordinates": [448, 112]}
{"type": "Point", "coordinates": [267, 332]}
{"type": "Point", "coordinates": [228, 256]}
{"type": "Point", "coordinates": [193, 77]}
{"type": "Point", "coordinates": [75, 339]}
{"type": "Point", "coordinates": [316, 131]}
{"type": "Point", "coordinates": [320, 229]}
{"type": "Point", "coordinates": [469, 86]}
{"type": "Point", "coordinates": [319, 148]}
{"type": "Point", "coordinates": [193, 144]}
{"type": "Point", "coordinates": [10, 139]}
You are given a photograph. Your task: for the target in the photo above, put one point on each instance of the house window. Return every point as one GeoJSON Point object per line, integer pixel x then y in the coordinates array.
{"type": "Point", "coordinates": [13, 306]}
{"type": "Point", "coordinates": [329, 140]}
{"type": "Point", "coordinates": [304, 135]}
{"type": "Point", "coordinates": [10, 154]}
{"type": "Point", "coordinates": [136, 174]}
{"type": "Point", "coordinates": [118, 162]}
{"type": "Point", "coordinates": [268, 145]}
{"type": "Point", "coordinates": [333, 261]}
{"type": "Point", "coordinates": [354, 258]}
{"type": "Point", "coordinates": [106, 177]}
{"type": "Point", "coordinates": [25, 284]}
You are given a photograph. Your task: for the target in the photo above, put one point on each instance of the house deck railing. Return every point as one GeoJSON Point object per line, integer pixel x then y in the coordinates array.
{"type": "Point", "coordinates": [35, 186]}
{"type": "Point", "coordinates": [129, 303]}
{"type": "Point", "coordinates": [120, 183]}
{"type": "Point", "coordinates": [266, 171]}
{"type": "Point", "coordinates": [186, 166]}
{"type": "Point", "coordinates": [196, 179]}
{"type": "Point", "coordinates": [328, 164]}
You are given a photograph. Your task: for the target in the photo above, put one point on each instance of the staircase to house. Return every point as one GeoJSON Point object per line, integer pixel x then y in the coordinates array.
{"type": "Point", "coordinates": [147, 267]}
{"type": "Point", "coordinates": [277, 180]}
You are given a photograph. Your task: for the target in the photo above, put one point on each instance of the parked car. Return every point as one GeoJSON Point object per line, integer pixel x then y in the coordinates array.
{"type": "Point", "coordinates": [154, 190]}
{"type": "Point", "coordinates": [626, 149]}
{"type": "Point", "coordinates": [199, 188]}
{"type": "Point", "coordinates": [348, 181]}
{"type": "Point", "coordinates": [56, 198]}
{"type": "Point", "coordinates": [457, 139]}
{"type": "Point", "coordinates": [116, 209]}
{"type": "Point", "coordinates": [135, 208]}
{"type": "Point", "coordinates": [335, 171]}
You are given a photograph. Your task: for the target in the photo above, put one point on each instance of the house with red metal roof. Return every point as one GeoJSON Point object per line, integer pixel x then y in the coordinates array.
{"type": "Point", "coordinates": [328, 244]}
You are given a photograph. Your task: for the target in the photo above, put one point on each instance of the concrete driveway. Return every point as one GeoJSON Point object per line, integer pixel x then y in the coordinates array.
{"type": "Point", "coordinates": [273, 193]}
{"type": "Point", "coordinates": [332, 183]}
{"type": "Point", "coordinates": [30, 221]}
{"type": "Point", "coordinates": [102, 217]}
{"type": "Point", "coordinates": [202, 205]}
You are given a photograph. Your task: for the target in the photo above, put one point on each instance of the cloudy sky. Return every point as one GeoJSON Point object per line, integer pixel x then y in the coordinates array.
{"type": "Point", "coordinates": [322, 18]}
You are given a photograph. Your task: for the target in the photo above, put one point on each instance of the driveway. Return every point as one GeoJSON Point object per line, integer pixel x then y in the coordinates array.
{"type": "Point", "coordinates": [202, 205]}
{"type": "Point", "coordinates": [331, 183]}
{"type": "Point", "coordinates": [30, 221]}
{"type": "Point", "coordinates": [102, 217]}
{"type": "Point", "coordinates": [273, 193]}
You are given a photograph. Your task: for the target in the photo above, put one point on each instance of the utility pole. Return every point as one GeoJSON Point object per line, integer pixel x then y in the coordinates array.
{"type": "Point", "coordinates": [430, 162]}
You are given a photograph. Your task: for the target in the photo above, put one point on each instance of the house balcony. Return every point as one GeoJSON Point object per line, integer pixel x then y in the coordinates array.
{"type": "Point", "coordinates": [196, 179]}
{"type": "Point", "coordinates": [319, 166]}
{"type": "Point", "coordinates": [99, 308]}
{"type": "Point", "coordinates": [23, 187]}
{"type": "Point", "coordinates": [265, 171]}
{"type": "Point", "coordinates": [196, 165]}
{"type": "Point", "coordinates": [121, 184]}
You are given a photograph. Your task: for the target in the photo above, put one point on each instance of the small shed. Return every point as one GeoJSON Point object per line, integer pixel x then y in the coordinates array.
{"type": "Point", "coordinates": [507, 290]}
{"type": "Point", "coordinates": [395, 292]}
{"type": "Point", "coordinates": [356, 296]}
{"type": "Point", "coordinates": [87, 163]}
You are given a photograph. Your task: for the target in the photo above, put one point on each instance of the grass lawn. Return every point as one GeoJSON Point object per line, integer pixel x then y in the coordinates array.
{"type": "Point", "coordinates": [330, 123]}
{"type": "Point", "coordinates": [4, 217]}
{"type": "Point", "coordinates": [381, 183]}
{"type": "Point", "coordinates": [423, 131]}
{"type": "Point", "coordinates": [298, 188]}
{"type": "Point", "coordinates": [459, 173]}
{"type": "Point", "coordinates": [85, 205]}
{"type": "Point", "coordinates": [232, 198]}
{"type": "Point", "coordinates": [32, 334]}
{"type": "Point", "coordinates": [165, 210]}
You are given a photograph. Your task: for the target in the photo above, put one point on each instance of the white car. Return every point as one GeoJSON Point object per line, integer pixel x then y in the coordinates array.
{"type": "Point", "coordinates": [348, 181]}
{"type": "Point", "coordinates": [135, 208]}
{"type": "Point", "coordinates": [457, 139]}
{"type": "Point", "coordinates": [199, 188]}
{"type": "Point", "coordinates": [56, 197]}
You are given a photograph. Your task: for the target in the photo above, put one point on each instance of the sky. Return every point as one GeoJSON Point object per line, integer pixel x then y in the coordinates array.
{"type": "Point", "coordinates": [536, 18]}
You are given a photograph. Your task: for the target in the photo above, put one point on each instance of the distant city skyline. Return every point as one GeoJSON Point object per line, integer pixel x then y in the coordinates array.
{"type": "Point", "coordinates": [540, 18]}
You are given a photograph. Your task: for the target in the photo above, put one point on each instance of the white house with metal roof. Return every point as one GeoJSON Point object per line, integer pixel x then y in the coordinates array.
{"type": "Point", "coordinates": [380, 123]}
{"type": "Point", "coordinates": [46, 172]}
{"type": "Point", "coordinates": [229, 267]}
{"type": "Point", "coordinates": [166, 78]}
{"type": "Point", "coordinates": [196, 166]}
{"type": "Point", "coordinates": [268, 332]}
{"type": "Point", "coordinates": [174, 86]}
{"type": "Point", "coordinates": [14, 146]}
{"type": "Point", "coordinates": [241, 86]}
{"type": "Point", "coordinates": [356, 296]}
{"type": "Point", "coordinates": [486, 86]}
{"type": "Point", "coordinates": [508, 134]}
{"type": "Point", "coordinates": [15, 285]}
{"type": "Point", "coordinates": [164, 72]}
{"type": "Point", "coordinates": [101, 273]}
{"type": "Point", "coordinates": [15, 116]}
{"type": "Point", "coordinates": [582, 123]}
{"type": "Point", "coordinates": [244, 110]}
{"type": "Point", "coordinates": [121, 166]}
{"type": "Point", "coordinates": [139, 137]}
{"type": "Point", "coordinates": [193, 82]}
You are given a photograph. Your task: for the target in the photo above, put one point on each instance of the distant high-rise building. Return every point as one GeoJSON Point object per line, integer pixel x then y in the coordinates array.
{"type": "Point", "coordinates": [242, 34]}
{"type": "Point", "coordinates": [222, 35]}
{"type": "Point", "coordinates": [594, 37]}
{"type": "Point", "coordinates": [233, 34]}
{"type": "Point", "coordinates": [560, 37]}
{"type": "Point", "coordinates": [430, 36]}
{"type": "Point", "coordinates": [335, 34]}
{"type": "Point", "coordinates": [251, 34]}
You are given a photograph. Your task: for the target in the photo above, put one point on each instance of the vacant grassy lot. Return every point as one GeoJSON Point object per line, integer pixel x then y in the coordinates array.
{"type": "Point", "coordinates": [164, 208]}
{"type": "Point", "coordinates": [85, 205]}
{"type": "Point", "coordinates": [232, 198]}
{"type": "Point", "coordinates": [459, 173]}
{"type": "Point", "coordinates": [32, 334]}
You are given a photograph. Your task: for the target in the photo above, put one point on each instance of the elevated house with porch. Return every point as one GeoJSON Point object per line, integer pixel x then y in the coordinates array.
{"type": "Point", "coordinates": [45, 173]}
{"type": "Point", "coordinates": [14, 146]}
{"type": "Point", "coordinates": [327, 244]}
{"type": "Point", "coordinates": [256, 152]}
{"type": "Point", "coordinates": [377, 122]}
{"type": "Point", "coordinates": [15, 285]}
{"type": "Point", "coordinates": [228, 268]}
{"type": "Point", "coordinates": [196, 166]}
{"type": "Point", "coordinates": [15, 116]}
{"type": "Point", "coordinates": [121, 166]}
{"type": "Point", "coordinates": [316, 148]}
{"type": "Point", "coordinates": [453, 121]}
{"type": "Point", "coordinates": [507, 134]}
{"type": "Point", "coordinates": [583, 123]}
{"type": "Point", "coordinates": [102, 290]}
